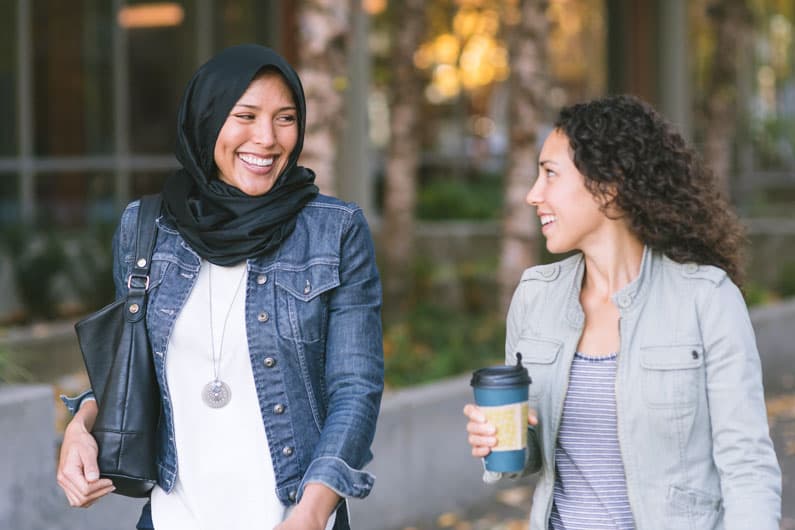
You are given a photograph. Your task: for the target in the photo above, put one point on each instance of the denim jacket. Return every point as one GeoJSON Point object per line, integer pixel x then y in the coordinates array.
{"type": "Point", "coordinates": [314, 334]}
{"type": "Point", "coordinates": [692, 426]}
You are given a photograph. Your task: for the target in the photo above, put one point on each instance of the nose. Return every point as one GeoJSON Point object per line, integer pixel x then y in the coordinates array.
{"type": "Point", "coordinates": [536, 194]}
{"type": "Point", "coordinates": [265, 133]}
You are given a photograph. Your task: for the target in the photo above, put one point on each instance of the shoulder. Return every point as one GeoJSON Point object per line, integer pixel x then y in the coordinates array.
{"type": "Point", "coordinates": [331, 213]}
{"type": "Point", "coordinates": [694, 272]}
{"type": "Point", "coordinates": [551, 271]}
{"type": "Point", "coordinates": [325, 204]}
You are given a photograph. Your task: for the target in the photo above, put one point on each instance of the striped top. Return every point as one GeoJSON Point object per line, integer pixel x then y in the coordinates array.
{"type": "Point", "coordinates": [590, 488]}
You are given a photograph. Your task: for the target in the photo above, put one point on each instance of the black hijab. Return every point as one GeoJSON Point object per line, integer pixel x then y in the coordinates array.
{"type": "Point", "coordinates": [219, 221]}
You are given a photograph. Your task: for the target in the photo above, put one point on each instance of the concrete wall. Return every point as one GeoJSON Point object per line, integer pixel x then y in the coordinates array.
{"type": "Point", "coordinates": [422, 464]}
{"type": "Point", "coordinates": [775, 337]}
{"type": "Point", "coordinates": [422, 461]}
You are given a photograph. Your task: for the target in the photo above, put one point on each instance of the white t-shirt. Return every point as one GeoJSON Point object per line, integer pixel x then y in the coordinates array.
{"type": "Point", "coordinates": [225, 475]}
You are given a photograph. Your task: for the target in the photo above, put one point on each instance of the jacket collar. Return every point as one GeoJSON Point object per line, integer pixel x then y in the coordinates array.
{"type": "Point", "coordinates": [627, 299]}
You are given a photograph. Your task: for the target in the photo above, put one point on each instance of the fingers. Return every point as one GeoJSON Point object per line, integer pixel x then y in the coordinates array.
{"type": "Point", "coordinates": [78, 473]}
{"type": "Point", "coordinates": [474, 413]}
{"type": "Point", "coordinates": [481, 434]}
{"type": "Point", "coordinates": [83, 494]}
{"type": "Point", "coordinates": [532, 417]}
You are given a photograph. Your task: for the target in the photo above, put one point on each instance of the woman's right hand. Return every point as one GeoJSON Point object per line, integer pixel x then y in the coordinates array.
{"type": "Point", "coordinates": [482, 434]}
{"type": "Point", "coordinates": [78, 472]}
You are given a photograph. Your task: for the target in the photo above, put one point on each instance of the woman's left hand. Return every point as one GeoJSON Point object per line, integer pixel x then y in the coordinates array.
{"type": "Point", "coordinates": [301, 520]}
{"type": "Point", "coordinates": [313, 510]}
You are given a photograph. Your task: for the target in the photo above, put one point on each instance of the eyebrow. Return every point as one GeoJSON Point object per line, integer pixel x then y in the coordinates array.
{"type": "Point", "coordinates": [542, 163]}
{"type": "Point", "coordinates": [256, 107]}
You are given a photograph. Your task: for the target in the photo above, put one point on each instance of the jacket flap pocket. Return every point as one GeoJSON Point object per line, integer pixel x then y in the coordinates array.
{"type": "Point", "coordinates": [679, 357]}
{"type": "Point", "coordinates": [308, 282]}
{"type": "Point", "coordinates": [538, 350]}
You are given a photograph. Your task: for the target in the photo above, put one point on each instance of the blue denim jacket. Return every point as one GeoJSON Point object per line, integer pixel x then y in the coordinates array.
{"type": "Point", "coordinates": [314, 334]}
{"type": "Point", "coordinates": [692, 425]}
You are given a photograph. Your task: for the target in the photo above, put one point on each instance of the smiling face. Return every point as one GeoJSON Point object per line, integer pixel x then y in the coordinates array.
{"type": "Point", "coordinates": [255, 142]}
{"type": "Point", "coordinates": [569, 213]}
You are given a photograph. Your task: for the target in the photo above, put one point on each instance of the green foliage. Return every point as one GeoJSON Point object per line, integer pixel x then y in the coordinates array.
{"type": "Point", "coordinates": [774, 142]}
{"type": "Point", "coordinates": [756, 294]}
{"type": "Point", "coordinates": [786, 279]}
{"type": "Point", "coordinates": [456, 199]}
{"type": "Point", "coordinates": [51, 265]}
{"type": "Point", "coordinates": [10, 370]}
{"type": "Point", "coordinates": [435, 341]}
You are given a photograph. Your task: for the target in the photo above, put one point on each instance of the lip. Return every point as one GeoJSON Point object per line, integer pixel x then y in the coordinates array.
{"type": "Point", "coordinates": [253, 168]}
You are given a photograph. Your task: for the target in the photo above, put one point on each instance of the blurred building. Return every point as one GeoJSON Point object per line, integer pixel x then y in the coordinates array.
{"type": "Point", "coordinates": [89, 91]}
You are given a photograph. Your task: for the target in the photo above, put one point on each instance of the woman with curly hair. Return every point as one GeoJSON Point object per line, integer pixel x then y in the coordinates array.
{"type": "Point", "coordinates": [647, 408]}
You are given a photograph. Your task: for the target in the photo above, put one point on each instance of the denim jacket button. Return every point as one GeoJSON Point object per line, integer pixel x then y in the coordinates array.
{"type": "Point", "coordinates": [261, 279]}
{"type": "Point", "coordinates": [263, 317]}
{"type": "Point", "coordinates": [269, 362]}
{"type": "Point", "coordinates": [291, 495]}
{"type": "Point", "coordinates": [624, 301]}
{"type": "Point", "coordinates": [287, 451]}
{"type": "Point", "coordinates": [278, 408]}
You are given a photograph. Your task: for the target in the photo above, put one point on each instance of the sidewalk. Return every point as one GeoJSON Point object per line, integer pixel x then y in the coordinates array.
{"type": "Point", "coordinates": [508, 507]}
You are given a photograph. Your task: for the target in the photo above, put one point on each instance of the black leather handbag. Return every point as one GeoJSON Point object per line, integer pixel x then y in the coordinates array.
{"type": "Point", "coordinates": [119, 362]}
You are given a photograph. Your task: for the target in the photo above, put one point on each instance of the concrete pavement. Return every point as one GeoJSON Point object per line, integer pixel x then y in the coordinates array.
{"type": "Point", "coordinates": [507, 507]}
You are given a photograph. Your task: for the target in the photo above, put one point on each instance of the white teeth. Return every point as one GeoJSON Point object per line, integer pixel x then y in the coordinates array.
{"type": "Point", "coordinates": [256, 161]}
{"type": "Point", "coordinates": [546, 219]}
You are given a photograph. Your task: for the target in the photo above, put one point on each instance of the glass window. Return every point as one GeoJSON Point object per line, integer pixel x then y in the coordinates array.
{"type": "Point", "coordinates": [146, 182]}
{"type": "Point", "coordinates": [241, 21]}
{"type": "Point", "coordinates": [72, 77]}
{"type": "Point", "coordinates": [161, 61]}
{"type": "Point", "coordinates": [8, 81]}
{"type": "Point", "coordinates": [9, 199]}
{"type": "Point", "coordinates": [74, 199]}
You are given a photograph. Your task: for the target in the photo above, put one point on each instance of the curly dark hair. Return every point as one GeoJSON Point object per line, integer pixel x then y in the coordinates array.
{"type": "Point", "coordinates": [633, 158]}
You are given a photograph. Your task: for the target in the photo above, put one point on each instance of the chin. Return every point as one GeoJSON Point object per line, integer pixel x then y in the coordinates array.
{"type": "Point", "coordinates": [557, 248]}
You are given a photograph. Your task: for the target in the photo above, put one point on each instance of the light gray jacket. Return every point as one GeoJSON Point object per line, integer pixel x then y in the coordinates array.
{"type": "Point", "coordinates": [692, 425]}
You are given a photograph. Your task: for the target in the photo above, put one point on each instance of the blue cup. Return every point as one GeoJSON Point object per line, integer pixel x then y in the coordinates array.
{"type": "Point", "coordinates": [501, 393]}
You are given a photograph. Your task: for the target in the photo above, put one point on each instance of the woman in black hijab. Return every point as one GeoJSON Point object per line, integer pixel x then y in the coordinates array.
{"type": "Point", "coordinates": [269, 393]}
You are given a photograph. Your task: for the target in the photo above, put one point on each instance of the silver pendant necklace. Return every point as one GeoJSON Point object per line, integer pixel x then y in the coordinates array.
{"type": "Point", "coordinates": [216, 393]}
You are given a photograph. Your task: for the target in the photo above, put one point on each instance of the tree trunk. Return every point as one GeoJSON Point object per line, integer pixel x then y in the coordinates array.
{"type": "Point", "coordinates": [528, 85]}
{"type": "Point", "coordinates": [322, 29]}
{"type": "Point", "coordinates": [402, 157]}
{"type": "Point", "coordinates": [732, 22]}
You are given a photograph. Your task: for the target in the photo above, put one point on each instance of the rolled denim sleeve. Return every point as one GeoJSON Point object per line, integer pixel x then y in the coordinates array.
{"type": "Point", "coordinates": [73, 404]}
{"type": "Point", "coordinates": [354, 371]}
{"type": "Point", "coordinates": [750, 476]}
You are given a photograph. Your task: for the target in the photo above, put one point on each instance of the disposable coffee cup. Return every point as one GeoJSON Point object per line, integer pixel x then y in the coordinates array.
{"type": "Point", "coordinates": [501, 393]}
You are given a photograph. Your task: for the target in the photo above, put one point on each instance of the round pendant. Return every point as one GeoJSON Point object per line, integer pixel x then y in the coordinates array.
{"type": "Point", "coordinates": [216, 394]}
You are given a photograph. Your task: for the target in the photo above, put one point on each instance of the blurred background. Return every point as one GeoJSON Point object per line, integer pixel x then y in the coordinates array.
{"type": "Point", "coordinates": [429, 114]}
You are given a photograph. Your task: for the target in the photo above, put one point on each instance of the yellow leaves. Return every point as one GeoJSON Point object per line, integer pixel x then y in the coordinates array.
{"type": "Point", "coordinates": [468, 57]}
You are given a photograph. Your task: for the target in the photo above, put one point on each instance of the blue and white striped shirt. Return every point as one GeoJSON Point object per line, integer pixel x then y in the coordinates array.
{"type": "Point", "coordinates": [590, 487]}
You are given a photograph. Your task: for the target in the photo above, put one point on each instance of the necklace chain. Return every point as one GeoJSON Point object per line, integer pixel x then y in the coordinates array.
{"type": "Point", "coordinates": [217, 365]}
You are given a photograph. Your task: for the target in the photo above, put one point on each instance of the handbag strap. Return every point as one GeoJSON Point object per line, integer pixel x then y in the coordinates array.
{"type": "Point", "coordinates": [145, 236]}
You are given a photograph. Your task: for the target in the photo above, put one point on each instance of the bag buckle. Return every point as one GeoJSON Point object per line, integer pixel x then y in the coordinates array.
{"type": "Point", "coordinates": [138, 276]}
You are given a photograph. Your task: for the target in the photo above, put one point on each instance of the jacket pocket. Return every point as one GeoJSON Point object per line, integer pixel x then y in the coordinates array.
{"type": "Point", "coordinates": [672, 375]}
{"type": "Point", "coordinates": [538, 356]}
{"type": "Point", "coordinates": [302, 300]}
{"type": "Point", "coordinates": [690, 508]}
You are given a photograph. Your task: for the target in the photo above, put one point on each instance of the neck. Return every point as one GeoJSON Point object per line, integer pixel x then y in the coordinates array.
{"type": "Point", "coordinates": [612, 264]}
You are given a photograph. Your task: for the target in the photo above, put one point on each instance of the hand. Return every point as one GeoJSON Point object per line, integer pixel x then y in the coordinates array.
{"type": "Point", "coordinates": [313, 510]}
{"type": "Point", "coordinates": [482, 434]}
{"type": "Point", "coordinates": [78, 472]}
{"type": "Point", "coordinates": [301, 520]}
